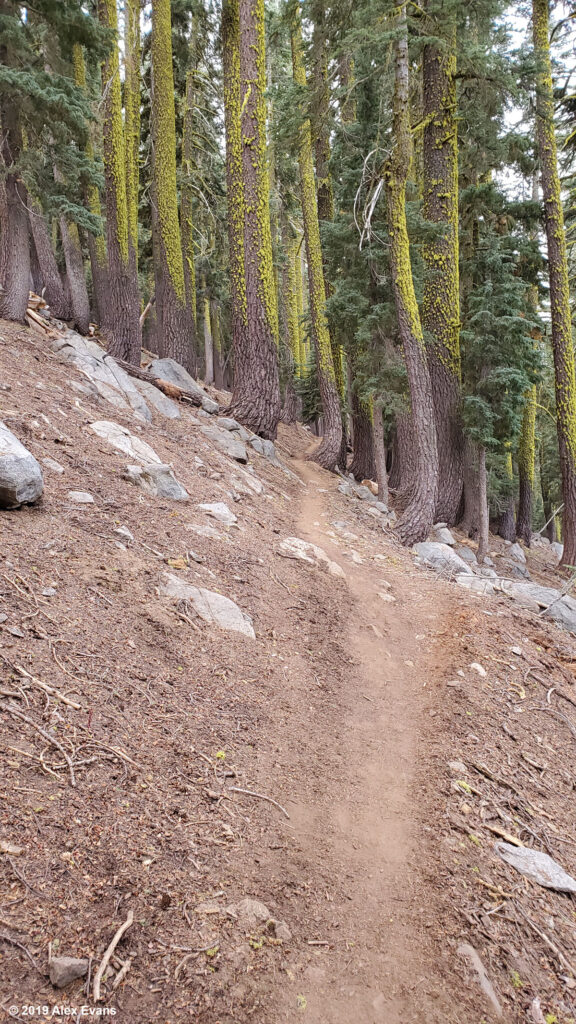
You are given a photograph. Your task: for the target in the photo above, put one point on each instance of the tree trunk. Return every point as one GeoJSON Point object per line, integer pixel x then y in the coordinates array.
{"type": "Point", "coordinates": [176, 328]}
{"type": "Point", "coordinates": [470, 519]}
{"type": "Point", "coordinates": [483, 521]}
{"type": "Point", "coordinates": [441, 300]}
{"type": "Point", "coordinates": [96, 243]}
{"type": "Point", "coordinates": [217, 344]}
{"type": "Point", "coordinates": [362, 466]}
{"type": "Point", "coordinates": [291, 320]}
{"type": "Point", "coordinates": [256, 394]}
{"type": "Point", "coordinates": [234, 179]}
{"type": "Point", "coordinates": [132, 114]}
{"type": "Point", "coordinates": [418, 515]}
{"type": "Point", "coordinates": [80, 303]}
{"type": "Point", "coordinates": [123, 321]}
{"type": "Point", "coordinates": [506, 523]}
{"type": "Point", "coordinates": [14, 236]}
{"type": "Point", "coordinates": [380, 453]}
{"type": "Point", "coordinates": [526, 467]}
{"type": "Point", "coordinates": [328, 453]}
{"type": "Point", "coordinates": [186, 209]}
{"type": "Point", "coordinates": [208, 339]}
{"type": "Point", "coordinates": [52, 284]}
{"type": "Point", "coordinates": [547, 502]}
{"type": "Point", "coordinates": [562, 344]}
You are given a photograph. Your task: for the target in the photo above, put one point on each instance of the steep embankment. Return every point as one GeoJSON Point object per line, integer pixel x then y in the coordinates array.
{"type": "Point", "coordinates": [397, 761]}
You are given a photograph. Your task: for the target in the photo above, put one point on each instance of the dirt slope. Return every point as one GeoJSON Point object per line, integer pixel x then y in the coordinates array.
{"type": "Point", "coordinates": [347, 709]}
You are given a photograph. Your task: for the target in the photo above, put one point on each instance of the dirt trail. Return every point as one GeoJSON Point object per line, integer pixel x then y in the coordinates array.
{"type": "Point", "coordinates": [363, 824]}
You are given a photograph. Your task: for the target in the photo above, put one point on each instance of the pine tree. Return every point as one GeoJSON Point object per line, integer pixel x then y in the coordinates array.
{"type": "Point", "coordinates": [418, 515]}
{"type": "Point", "coordinates": [123, 324]}
{"type": "Point", "coordinates": [328, 453]}
{"type": "Point", "coordinates": [176, 328]}
{"type": "Point", "coordinates": [562, 343]}
{"type": "Point", "coordinates": [256, 393]}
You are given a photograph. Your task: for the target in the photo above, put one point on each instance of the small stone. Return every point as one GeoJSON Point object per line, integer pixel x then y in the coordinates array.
{"type": "Point", "coordinates": [384, 596]}
{"type": "Point", "coordinates": [81, 497]}
{"type": "Point", "coordinates": [281, 931]}
{"type": "Point", "coordinates": [49, 592]}
{"type": "Point", "coordinates": [249, 913]}
{"type": "Point", "coordinates": [3, 616]}
{"type": "Point", "coordinates": [479, 669]}
{"type": "Point", "coordinates": [65, 969]}
{"type": "Point", "coordinates": [515, 552]}
{"type": "Point", "coordinates": [53, 465]}
{"type": "Point", "coordinates": [219, 510]}
{"type": "Point", "coordinates": [517, 650]}
{"type": "Point", "coordinates": [457, 768]}
{"type": "Point", "coordinates": [123, 531]}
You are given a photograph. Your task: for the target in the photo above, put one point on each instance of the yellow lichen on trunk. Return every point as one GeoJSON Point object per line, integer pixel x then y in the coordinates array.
{"type": "Point", "coordinates": [91, 191]}
{"type": "Point", "coordinates": [233, 125]}
{"type": "Point", "coordinates": [113, 130]}
{"type": "Point", "coordinates": [187, 225]}
{"type": "Point", "coordinates": [132, 113]}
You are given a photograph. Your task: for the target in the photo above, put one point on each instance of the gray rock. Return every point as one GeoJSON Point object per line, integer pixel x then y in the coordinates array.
{"type": "Point", "coordinates": [295, 547]}
{"type": "Point", "coordinates": [112, 383]}
{"type": "Point", "coordinates": [479, 586]}
{"type": "Point", "coordinates": [382, 507]}
{"type": "Point", "coordinates": [156, 398]}
{"type": "Point", "coordinates": [484, 570]}
{"type": "Point", "coordinates": [245, 435]}
{"type": "Point", "coordinates": [174, 373]}
{"type": "Point", "coordinates": [158, 480]}
{"type": "Point", "coordinates": [536, 866]}
{"type": "Point", "coordinates": [281, 930]}
{"type": "Point", "coordinates": [442, 535]}
{"type": "Point", "coordinates": [558, 549]}
{"type": "Point", "coordinates": [466, 553]}
{"type": "Point", "coordinates": [470, 954]}
{"type": "Point", "coordinates": [488, 561]}
{"type": "Point", "coordinates": [516, 552]}
{"type": "Point", "coordinates": [265, 448]}
{"type": "Point", "coordinates": [220, 511]}
{"type": "Point", "coordinates": [246, 483]}
{"type": "Point", "coordinates": [121, 439]}
{"type": "Point", "coordinates": [213, 608]}
{"type": "Point", "coordinates": [226, 443]}
{"type": "Point", "coordinates": [364, 493]}
{"type": "Point", "coordinates": [442, 557]}
{"type": "Point", "coordinates": [560, 608]}
{"type": "Point", "coordinates": [227, 423]}
{"type": "Point", "coordinates": [81, 497]}
{"type": "Point", "coordinates": [515, 569]}
{"type": "Point", "coordinates": [123, 531]}
{"type": "Point", "coordinates": [346, 488]}
{"type": "Point", "coordinates": [49, 592]}
{"type": "Point", "coordinates": [65, 969]}
{"type": "Point", "coordinates": [53, 465]}
{"type": "Point", "coordinates": [249, 913]}
{"type": "Point", "coordinates": [20, 475]}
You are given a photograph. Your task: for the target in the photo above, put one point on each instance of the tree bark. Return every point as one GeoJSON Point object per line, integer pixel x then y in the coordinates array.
{"type": "Point", "coordinates": [176, 327]}
{"type": "Point", "coordinates": [14, 237]}
{"type": "Point", "coordinates": [470, 519]}
{"type": "Point", "coordinates": [256, 394]}
{"type": "Point", "coordinates": [328, 453]}
{"type": "Point", "coordinates": [362, 466]}
{"type": "Point", "coordinates": [52, 284]}
{"type": "Point", "coordinates": [441, 300]}
{"type": "Point", "coordinates": [506, 522]}
{"type": "Point", "coordinates": [380, 453]}
{"type": "Point", "coordinates": [483, 521]}
{"type": "Point", "coordinates": [526, 467]}
{"type": "Point", "coordinates": [562, 343]}
{"type": "Point", "coordinates": [418, 516]}
{"type": "Point", "coordinates": [79, 301]}
{"type": "Point", "coordinates": [188, 161]}
{"type": "Point", "coordinates": [123, 321]}
{"type": "Point", "coordinates": [208, 339]}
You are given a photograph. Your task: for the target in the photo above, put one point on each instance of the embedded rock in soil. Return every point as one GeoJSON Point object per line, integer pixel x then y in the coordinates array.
{"type": "Point", "coordinates": [441, 557]}
{"type": "Point", "coordinates": [265, 448]}
{"type": "Point", "coordinates": [81, 497]}
{"type": "Point", "coordinates": [121, 438]}
{"type": "Point", "coordinates": [466, 553]}
{"type": "Point", "coordinates": [295, 547]}
{"type": "Point", "coordinates": [227, 423]}
{"type": "Point", "coordinates": [164, 405]}
{"type": "Point", "coordinates": [486, 985]}
{"type": "Point", "coordinates": [249, 913]}
{"type": "Point", "coordinates": [536, 866]}
{"type": "Point", "coordinates": [220, 511]}
{"type": "Point", "coordinates": [112, 383]}
{"type": "Point", "coordinates": [65, 969]}
{"type": "Point", "coordinates": [226, 443]}
{"type": "Point", "coordinates": [53, 465]}
{"type": "Point", "coordinates": [158, 480]}
{"type": "Point", "coordinates": [558, 549]}
{"type": "Point", "coordinates": [442, 535]}
{"type": "Point", "coordinates": [515, 552]}
{"type": "Point", "coordinates": [20, 475]}
{"type": "Point", "coordinates": [479, 586]}
{"type": "Point", "coordinates": [560, 608]}
{"type": "Point", "coordinates": [170, 370]}
{"type": "Point", "coordinates": [213, 608]}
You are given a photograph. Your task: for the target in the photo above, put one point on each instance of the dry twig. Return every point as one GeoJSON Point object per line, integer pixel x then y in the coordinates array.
{"type": "Point", "coordinates": [51, 739]}
{"type": "Point", "coordinates": [106, 958]}
{"type": "Point", "coordinates": [260, 796]}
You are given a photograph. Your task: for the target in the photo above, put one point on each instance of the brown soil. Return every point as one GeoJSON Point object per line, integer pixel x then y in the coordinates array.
{"type": "Point", "coordinates": [346, 709]}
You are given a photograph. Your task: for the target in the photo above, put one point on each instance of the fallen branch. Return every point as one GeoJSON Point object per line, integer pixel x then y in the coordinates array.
{"type": "Point", "coordinates": [546, 938]}
{"type": "Point", "coordinates": [51, 739]}
{"type": "Point", "coordinates": [172, 390]}
{"type": "Point", "coordinates": [260, 796]}
{"type": "Point", "coordinates": [46, 687]}
{"type": "Point", "coordinates": [106, 958]}
{"type": "Point", "coordinates": [122, 974]}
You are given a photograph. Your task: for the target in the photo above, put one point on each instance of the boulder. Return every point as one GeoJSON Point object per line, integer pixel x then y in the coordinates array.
{"type": "Point", "coordinates": [476, 584]}
{"type": "Point", "coordinates": [441, 557]}
{"type": "Point", "coordinates": [537, 866]}
{"type": "Point", "coordinates": [558, 550]}
{"type": "Point", "coordinates": [21, 479]}
{"type": "Point", "coordinates": [213, 608]}
{"type": "Point", "coordinates": [225, 441]}
{"type": "Point", "coordinates": [65, 969]}
{"type": "Point", "coordinates": [174, 373]}
{"type": "Point", "coordinates": [516, 552]}
{"type": "Point", "coordinates": [227, 423]}
{"type": "Point", "coordinates": [442, 535]}
{"type": "Point", "coordinates": [466, 553]}
{"type": "Point", "coordinates": [560, 608]}
{"type": "Point", "coordinates": [295, 547]}
{"type": "Point", "coordinates": [246, 483]}
{"type": "Point", "coordinates": [156, 398]}
{"type": "Point", "coordinates": [266, 449]}
{"type": "Point", "coordinates": [220, 511]}
{"type": "Point", "coordinates": [111, 382]}
{"type": "Point", "coordinates": [121, 438]}
{"type": "Point", "coordinates": [156, 479]}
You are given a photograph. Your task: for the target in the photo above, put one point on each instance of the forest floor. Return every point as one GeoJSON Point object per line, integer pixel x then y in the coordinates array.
{"type": "Point", "coordinates": [398, 762]}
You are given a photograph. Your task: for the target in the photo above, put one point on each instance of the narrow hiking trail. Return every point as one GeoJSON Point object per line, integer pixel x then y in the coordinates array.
{"type": "Point", "coordinates": [364, 824]}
